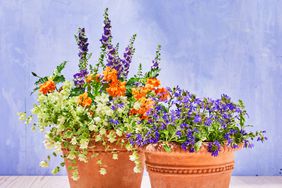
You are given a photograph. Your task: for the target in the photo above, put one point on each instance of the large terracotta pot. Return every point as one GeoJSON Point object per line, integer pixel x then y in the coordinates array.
{"type": "Point", "coordinates": [181, 169]}
{"type": "Point", "coordinates": [119, 172]}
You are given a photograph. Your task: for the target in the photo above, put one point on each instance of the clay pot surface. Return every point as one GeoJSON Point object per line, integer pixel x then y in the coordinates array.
{"type": "Point", "coordinates": [119, 172]}
{"type": "Point", "coordinates": [182, 169]}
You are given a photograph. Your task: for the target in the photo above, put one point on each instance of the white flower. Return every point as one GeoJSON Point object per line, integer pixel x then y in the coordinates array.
{"type": "Point", "coordinates": [36, 109]}
{"type": "Point", "coordinates": [61, 120]}
{"type": "Point", "coordinates": [133, 157]}
{"type": "Point", "coordinates": [98, 138]}
{"type": "Point", "coordinates": [111, 137]}
{"type": "Point", "coordinates": [82, 157]}
{"type": "Point", "coordinates": [102, 131]}
{"type": "Point", "coordinates": [103, 171]}
{"type": "Point", "coordinates": [120, 110]}
{"type": "Point", "coordinates": [123, 98]}
{"type": "Point", "coordinates": [58, 147]}
{"type": "Point", "coordinates": [104, 98]}
{"type": "Point", "coordinates": [137, 105]}
{"type": "Point", "coordinates": [73, 141]}
{"type": "Point", "coordinates": [75, 176]}
{"type": "Point", "coordinates": [41, 98]}
{"type": "Point", "coordinates": [44, 164]}
{"type": "Point", "coordinates": [109, 112]}
{"type": "Point", "coordinates": [22, 116]}
{"type": "Point", "coordinates": [137, 169]}
{"type": "Point", "coordinates": [97, 119]}
{"type": "Point", "coordinates": [115, 156]}
{"type": "Point", "coordinates": [84, 143]}
{"type": "Point", "coordinates": [67, 85]}
{"type": "Point", "coordinates": [71, 156]}
{"type": "Point", "coordinates": [92, 127]}
{"type": "Point", "coordinates": [48, 143]}
{"type": "Point", "coordinates": [118, 132]}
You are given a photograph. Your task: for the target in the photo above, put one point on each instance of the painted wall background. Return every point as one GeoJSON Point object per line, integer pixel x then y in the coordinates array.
{"type": "Point", "coordinates": [209, 48]}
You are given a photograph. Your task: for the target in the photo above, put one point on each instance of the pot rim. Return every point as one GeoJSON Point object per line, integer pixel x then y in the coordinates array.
{"type": "Point", "coordinates": [176, 148]}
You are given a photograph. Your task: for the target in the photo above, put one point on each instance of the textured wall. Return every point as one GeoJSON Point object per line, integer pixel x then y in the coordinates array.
{"type": "Point", "coordinates": [209, 47]}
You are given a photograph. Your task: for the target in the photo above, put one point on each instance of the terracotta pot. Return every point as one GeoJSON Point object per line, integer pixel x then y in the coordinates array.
{"type": "Point", "coordinates": [119, 172]}
{"type": "Point", "coordinates": [183, 169]}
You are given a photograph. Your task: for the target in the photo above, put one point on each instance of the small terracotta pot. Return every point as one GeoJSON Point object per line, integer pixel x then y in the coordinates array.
{"type": "Point", "coordinates": [119, 172]}
{"type": "Point", "coordinates": [184, 169]}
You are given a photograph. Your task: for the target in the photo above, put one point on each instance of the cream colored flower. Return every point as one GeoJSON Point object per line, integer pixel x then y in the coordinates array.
{"type": "Point", "coordinates": [44, 164]}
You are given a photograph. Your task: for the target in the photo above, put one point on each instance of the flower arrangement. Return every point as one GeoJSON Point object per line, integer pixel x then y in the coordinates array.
{"type": "Point", "coordinates": [101, 104]}
{"type": "Point", "coordinates": [186, 121]}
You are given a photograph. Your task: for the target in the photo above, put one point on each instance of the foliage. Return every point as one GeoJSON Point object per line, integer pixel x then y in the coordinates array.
{"type": "Point", "coordinates": [193, 122]}
{"type": "Point", "coordinates": [98, 105]}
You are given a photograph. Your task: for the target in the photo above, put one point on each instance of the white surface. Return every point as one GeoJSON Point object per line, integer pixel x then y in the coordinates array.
{"type": "Point", "coordinates": [62, 182]}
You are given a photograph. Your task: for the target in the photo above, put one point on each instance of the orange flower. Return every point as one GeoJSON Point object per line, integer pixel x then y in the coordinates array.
{"type": "Point", "coordinates": [91, 77]}
{"type": "Point", "coordinates": [146, 105]}
{"type": "Point", "coordinates": [97, 77]}
{"type": "Point", "coordinates": [116, 89]}
{"type": "Point", "coordinates": [110, 75]}
{"type": "Point", "coordinates": [152, 83]}
{"type": "Point", "coordinates": [47, 87]}
{"type": "Point", "coordinates": [140, 92]}
{"type": "Point", "coordinates": [162, 93]}
{"type": "Point", "coordinates": [84, 100]}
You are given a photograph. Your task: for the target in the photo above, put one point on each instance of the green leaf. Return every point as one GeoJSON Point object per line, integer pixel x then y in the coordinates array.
{"type": "Point", "coordinates": [41, 80]}
{"type": "Point", "coordinates": [34, 74]}
{"type": "Point", "coordinates": [198, 145]}
{"type": "Point", "coordinates": [61, 67]}
{"type": "Point", "coordinates": [59, 79]}
{"type": "Point", "coordinates": [167, 148]}
{"type": "Point", "coordinates": [153, 73]}
{"type": "Point", "coordinates": [76, 91]}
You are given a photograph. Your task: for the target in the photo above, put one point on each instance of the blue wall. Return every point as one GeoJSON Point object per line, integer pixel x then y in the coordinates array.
{"type": "Point", "coordinates": [209, 47]}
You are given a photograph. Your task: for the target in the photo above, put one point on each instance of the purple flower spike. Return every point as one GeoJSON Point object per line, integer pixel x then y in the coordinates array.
{"type": "Point", "coordinates": [155, 63]}
{"type": "Point", "coordinates": [129, 51]}
{"type": "Point", "coordinates": [107, 34]}
{"type": "Point", "coordinates": [82, 43]}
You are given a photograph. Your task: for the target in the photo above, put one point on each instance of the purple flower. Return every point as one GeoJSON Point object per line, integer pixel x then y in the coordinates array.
{"type": "Point", "coordinates": [183, 125]}
{"type": "Point", "coordinates": [197, 119]}
{"type": "Point", "coordinates": [79, 78]}
{"type": "Point", "coordinates": [113, 60]}
{"type": "Point", "coordinates": [113, 107]}
{"type": "Point", "coordinates": [184, 146]}
{"type": "Point", "coordinates": [82, 43]}
{"type": "Point", "coordinates": [163, 126]}
{"type": "Point", "coordinates": [178, 133]}
{"type": "Point", "coordinates": [208, 121]}
{"type": "Point", "coordinates": [139, 140]}
{"type": "Point", "coordinates": [155, 63]}
{"type": "Point", "coordinates": [225, 97]}
{"type": "Point", "coordinates": [127, 55]}
{"type": "Point", "coordinates": [247, 144]}
{"type": "Point", "coordinates": [115, 122]}
{"type": "Point", "coordinates": [214, 148]}
{"type": "Point", "coordinates": [107, 34]}
{"type": "Point", "coordinates": [128, 135]}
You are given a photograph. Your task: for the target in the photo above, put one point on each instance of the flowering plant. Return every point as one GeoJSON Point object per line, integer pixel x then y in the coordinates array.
{"type": "Point", "coordinates": [192, 122]}
{"type": "Point", "coordinates": [101, 104]}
